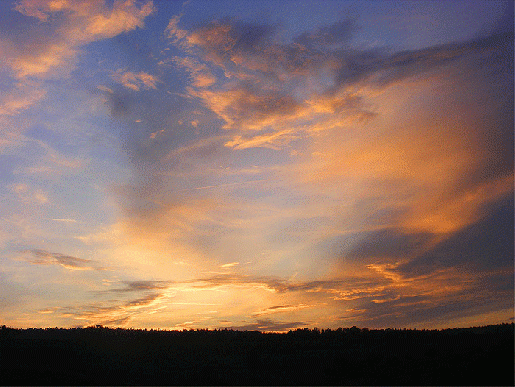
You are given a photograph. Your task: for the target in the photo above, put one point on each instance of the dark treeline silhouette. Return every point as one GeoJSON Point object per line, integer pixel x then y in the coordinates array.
{"type": "Point", "coordinates": [345, 356]}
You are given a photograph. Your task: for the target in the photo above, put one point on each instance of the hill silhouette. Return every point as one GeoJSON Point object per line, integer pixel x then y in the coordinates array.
{"type": "Point", "coordinates": [345, 356]}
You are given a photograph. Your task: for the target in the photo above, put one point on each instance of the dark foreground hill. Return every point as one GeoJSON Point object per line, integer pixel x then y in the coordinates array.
{"type": "Point", "coordinates": [353, 356]}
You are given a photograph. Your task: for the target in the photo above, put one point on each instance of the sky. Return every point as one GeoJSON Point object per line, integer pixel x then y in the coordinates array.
{"type": "Point", "coordinates": [256, 165]}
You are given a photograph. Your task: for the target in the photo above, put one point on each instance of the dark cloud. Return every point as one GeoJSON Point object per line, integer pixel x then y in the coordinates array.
{"type": "Point", "coordinates": [394, 307]}
{"type": "Point", "coordinates": [43, 257]}
{"type": "Point", "coordinates": [329, 36]}
{"type": "Point", "coordinates": [250, 37]}
{"type": "Point", "coordinates": [267, 325]}
{"type": "Point", "coordinates": [143, 301]}
{"type": "Point", "coordinates": [132, 286]}
{"type": "Point", "coordinates": [226, 39]}
{"type": "Point", "coordinates": [484, 246]}
{"type": "Point", "coordinates": [117, 321]}
{"type": "Point", "coordinates": [279, 307]}
{"type": "Point", "coordinates": [500, 282]}
{"type": "Point", "coordinates": [389, 243]}
{"type": "Point", "coordinates": [121, 103]}
{"type": "Point", "coordinates": [382, 69]}
{"type": "Point", "coordinates": [490, 78]}
{"type": "Point", "coordinates": [221, 37]}
{"type": "Point", "coordinates": [462, 306]}
{"type": "Point", "coordinates": [503, 24]}
{"type": "Point", "coordinates": [237, 46]}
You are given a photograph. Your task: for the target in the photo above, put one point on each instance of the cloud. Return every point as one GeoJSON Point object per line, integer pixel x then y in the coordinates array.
{"type": "Point", "coordinates": [267, 283]}
{"type": "Point", "coordinates": [135, 81]}
{"type": "Point", "coordinates": [268, 107]}
{"type": "Point", "coordinates": [132, 286]}
{"type": "Point", "coordinates": [397, 148]}
{"type": "Point", "coordinates": [431, 297]}
{"type": "Point", "coordinates": [29, 195]}
{"type": "Point", "coordinates": [115, 314]}
{"type": "Point", "coordinates": [424, 163]}
{"type": "Point", "coordinates": [379, 298]}
{"type": "Point", "coordinates": [355, 143]}
{"type": "Point", "coordinates": [105, 89]}
{"type": "Point", "coordinates": [72, 24]}
{"type": "Point", "coordinates": [389, 243]}
{"type": "Point", "coordinates": [379, 295]}
{"type": "Point", "coordinates": [344, 288]}
{"type": "Point", "coordinates": [328, 37]}
{"type": "Point", "coordinates": [65, 220]}
{"type": "Point", "coordinates": [280, 308]}
{"type": "Point", "coordinates": [200, 73]}
{"type": "Point", "coordinates": [43, 257]}
{"type": "Point", "coordinates": [482, 246]}
{"type": "Point", "coordinates": [249, 97]}
{"type": "Point", "coordinates": [229, 265]}
{"type": "Point", "coordinates": [409, 63]}
{"type": "Point", "coordinates": [47, 39]}
{"type": "Point", "coordinates": [21, 97]}
{"type": "Point", "coordinates": [267, 325]}
{"type": "Point", "coordinates": [51, 162]}
{"type": "Point", "coordinates": [290, 89]}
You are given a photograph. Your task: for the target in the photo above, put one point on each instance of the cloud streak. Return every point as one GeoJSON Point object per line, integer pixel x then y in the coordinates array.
{"type": "Point", "coordinates": [73, 24]}
{"type": "Point", "coordinates": [43, 257]}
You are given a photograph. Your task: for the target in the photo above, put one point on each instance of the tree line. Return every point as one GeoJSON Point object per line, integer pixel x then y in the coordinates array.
{"type": "Point", "coordinates": [100, 355]}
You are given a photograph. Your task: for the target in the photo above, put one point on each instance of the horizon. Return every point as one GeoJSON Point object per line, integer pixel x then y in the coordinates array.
{"type": "Point", "coordinates": [256, 165]}
{"type": "Point", "coordinates": [226, 329]}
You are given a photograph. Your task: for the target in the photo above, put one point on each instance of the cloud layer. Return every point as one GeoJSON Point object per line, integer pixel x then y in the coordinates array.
{"type": "Point", "coordinates": [235, 172]}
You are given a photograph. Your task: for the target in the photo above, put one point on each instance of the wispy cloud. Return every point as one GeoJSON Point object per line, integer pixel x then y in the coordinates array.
{"type": "Point", "coordinates": [137, 286]}
{"type": "Point", "coordinates": [21, 97]}
{"type": "Point", "coordinates": [28, 194]}
{"type": "Point", "coordinates": [280, 308]}
{"type": "Point", "coordinates": [315, 83]}
{"type": "Point", "coordinates": [135, 81]}
{"type": "Point", "coordinates": [79, 24]}
{"type": "Point", "coordinates": [43, 257]}
{"type": "Point", "coordinates": [115, 314]}
{"type": "Point", "coordinates": [268, 325]}
{"type": "Point", "coordinates": [51, 162]}
{"type": "Point", "coordinates": [65, 220]}
{"type": "Point", "coordinates": [229, 265]}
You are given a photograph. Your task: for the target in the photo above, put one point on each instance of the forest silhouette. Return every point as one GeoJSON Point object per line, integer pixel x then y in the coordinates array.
{"type": "Point", "coordinates": [345, 356]}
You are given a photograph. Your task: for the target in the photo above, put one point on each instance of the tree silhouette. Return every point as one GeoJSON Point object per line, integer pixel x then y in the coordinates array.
{"type": "Point", "coordinates": [346, 356]}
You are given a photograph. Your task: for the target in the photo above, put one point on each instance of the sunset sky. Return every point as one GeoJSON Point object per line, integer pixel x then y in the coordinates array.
{"type": "Point", "coordinates": [261, 165]}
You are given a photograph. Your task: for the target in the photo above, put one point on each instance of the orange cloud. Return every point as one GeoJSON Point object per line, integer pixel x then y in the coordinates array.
{"type": "Point", "coordinates": [200, 74]}
{"type": "Point", "coordinates": [135, 81]}
{"type": "Point", "coordinates": [83, 22]}
{"type": "Point", "coordinates": [21, 97]}
{"type": "Point", "coordinates": [29, 195]}
{"type": "Point", "coordinates": [416, 163]}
